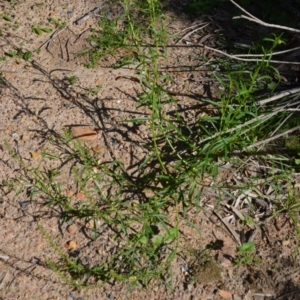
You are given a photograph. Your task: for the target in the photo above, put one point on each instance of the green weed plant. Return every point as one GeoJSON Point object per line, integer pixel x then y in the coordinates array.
{"type": "Point", "coordinates": [139, 224]}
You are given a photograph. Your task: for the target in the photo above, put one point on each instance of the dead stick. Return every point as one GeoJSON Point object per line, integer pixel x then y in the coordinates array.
{"type": "Point", "coordinates": [86, 16]}
{"type": "Point", "coordinates": [54, 34]}
{"type": "Point", "coordinates": [61, 50]}
{"type": "Point", "coordinates": [67, 50]}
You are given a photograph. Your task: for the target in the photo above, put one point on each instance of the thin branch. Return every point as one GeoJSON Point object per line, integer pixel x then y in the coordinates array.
{"type": "Point", "coordinates": [242, 9]}
{"type": "Point", "coordinates": [190, 27]}
{"type": "Point", "coordinates": [256, 20]}
{"type": "Point", "coordinates": [80, 35]}
{"type": "Point", "coordinates": [267, 24]}
{"type": "Point", "coordinates": [88, 15]}
{"type": "Point", "coordinates": [271, 54]}
{"type": "Point", "coordinates": [274, 137]}
{"type": "Point", "coordinates": [54, 34]}
{"type": "Point", "coordinates": [191, 32]}
{"type": "Point", "coordinates": [281, 124]}
{"type": "Point", "coordinates": [232, 231]}
{"type": "Point", "coordinates": [67, 50]}
{"type": "Point", "coordinates": [249, 59]}
{"type": "Point", "coordinates": [261, 118]}
{"type": "Point", "coordinates": [279, 96]}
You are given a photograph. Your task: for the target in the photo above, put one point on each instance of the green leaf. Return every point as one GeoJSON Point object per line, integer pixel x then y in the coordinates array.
{"type": "Point", "coordinates": [157, 240]}
{"type": "Point", "coordinates": [6, 18]}
{"type": "Point", "coordinates": [247, 247]}
{"type": "Point", "coordinates": [27, 55]}
{"type": "Point", "coordinates": [48, 30]}
{"type": "Point", "coordinates": [172, 234]}
{"type": "Point", "coordinates": [248, 259]}
{"type": "Point", "coordinates": [12, 53]}
{"type": "Point", "coordinates": [143, 239]}
{"type": "Point", "coordinates": [37, 30]}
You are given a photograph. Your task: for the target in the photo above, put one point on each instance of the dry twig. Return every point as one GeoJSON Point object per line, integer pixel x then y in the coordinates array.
{"type": "Point", "coordinates": [88, 15]}
{"type": "Point", "coordinates": [275, 137]}
{"type": "Point", "coordinates": [265, 55]}
{"type": "Point", "coordinates": [191, 32]}
{"type": "Point", "coordinates": [232, 231]}
{"type": "Point", "coordinates": [53, 35]}
{"type": "Point", "coordinates": [237, 57]}
{"type": "Point", "coordinates": [258, 21]}
{"type": "Point", "coordinates": [279, 96]}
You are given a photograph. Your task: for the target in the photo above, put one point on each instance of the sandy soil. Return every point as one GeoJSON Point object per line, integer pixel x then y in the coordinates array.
{"type": "Point", "coordinates": [37, 103]}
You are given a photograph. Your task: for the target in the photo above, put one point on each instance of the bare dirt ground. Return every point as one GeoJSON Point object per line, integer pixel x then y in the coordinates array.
{"type": "Point", "coordinates": [37, 102]}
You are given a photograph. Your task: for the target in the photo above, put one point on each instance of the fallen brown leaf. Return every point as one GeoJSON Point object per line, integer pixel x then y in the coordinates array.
{"type": "Point", "coordinates": [84, 133]}
{"type": "Point", "coordinates": [96, 149]}
{"type": "Point", "coordinates": [35, 155]}
{"type": "Point", "coordinates": [225, 294]}
{"type": "Point", "coordinates": [71, 245]}
{"type": "Point", "coordinates": [99, 81]}
{"type": "Point", "coordinates": [80, 196]}
{"type": "Point", "coordinates": [72, 228]}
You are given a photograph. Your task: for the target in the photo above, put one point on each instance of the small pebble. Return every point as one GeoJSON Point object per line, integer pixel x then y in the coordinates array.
{"type": "Point", "coordinates": [69, 13]}
{"type": "Point", "coordinates": [23, 204]}
{"type": "Point", "coordinates": [110, 296]}
{"type": "Point", "coordinates": [67, 105]}
{"type": "Point", "coordinates": [114, 142]}
{"type": "Point", "coordinates": [184, 268]}
{"type": "Point", "coordinates": [15, 135]}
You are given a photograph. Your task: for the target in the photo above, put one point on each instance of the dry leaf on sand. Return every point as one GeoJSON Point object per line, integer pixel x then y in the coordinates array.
{"type": "Point", "coordinates": [72, 228]}
{"type": "Point", "coordinates": [225, 295]}
{"type": "Point", "coordinates": [71, 245]}
{"type": "Point", "coordinates": [84, 133]}
{"type": "Point", "coordinates": [35, 155]}
{"type": "Point", "coordinates": [80, 196]}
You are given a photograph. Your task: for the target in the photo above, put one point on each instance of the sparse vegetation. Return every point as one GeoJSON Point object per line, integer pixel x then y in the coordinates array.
{"type": "Point", "coordinates": [40, 30]}
{"type": "Point", "coordinates": [232, 129]}
{"type": "Point", "coordinates": [72, 79]}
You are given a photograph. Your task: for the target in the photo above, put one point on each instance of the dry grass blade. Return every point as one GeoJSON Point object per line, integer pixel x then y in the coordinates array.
{"type": "Point", "coordinates": [262, 118]}
{"type": "Point", "coordinates": [274, 137]}
{"type": "Point", "coordinates": [191, 32]}
{"type": "Point", "coordinates": [290, 295]}
{"type": "Point", "coordinates": [233, 233]}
